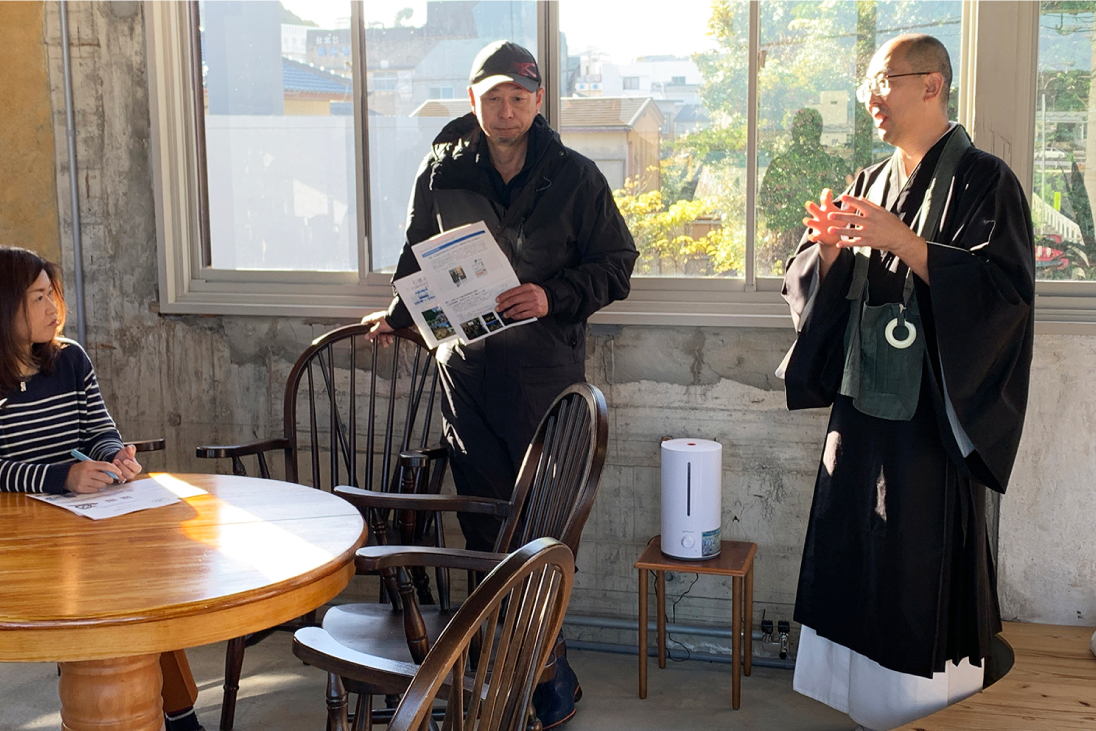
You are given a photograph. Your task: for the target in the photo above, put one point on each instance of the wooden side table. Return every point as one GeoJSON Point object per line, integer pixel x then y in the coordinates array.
{"type": "Point", "coordinates": [735, 559]}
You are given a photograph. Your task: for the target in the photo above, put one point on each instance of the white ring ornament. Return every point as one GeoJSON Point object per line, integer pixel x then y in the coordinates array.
{"type": "Point", "coordinates": [905, 342]}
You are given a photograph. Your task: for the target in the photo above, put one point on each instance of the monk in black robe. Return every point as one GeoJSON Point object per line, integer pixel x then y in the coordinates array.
{"type": "Point", "coordinates": [897, 587]}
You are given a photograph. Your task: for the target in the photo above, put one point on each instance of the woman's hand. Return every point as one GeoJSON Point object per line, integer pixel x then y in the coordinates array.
{"type": "Point", "coordinates": [125, 463]}
{"type": "Point", "coordinates": [90, 476]}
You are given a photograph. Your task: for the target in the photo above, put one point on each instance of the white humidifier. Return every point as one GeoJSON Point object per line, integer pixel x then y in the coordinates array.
{"type": "Point", "coordinates": [692, 498]}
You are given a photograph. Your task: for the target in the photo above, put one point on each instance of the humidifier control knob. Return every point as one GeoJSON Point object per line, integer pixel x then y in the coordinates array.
{"type": "Point", "coordinates": [687, 542]}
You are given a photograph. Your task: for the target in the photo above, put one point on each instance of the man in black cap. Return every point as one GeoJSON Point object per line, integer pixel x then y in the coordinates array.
{"type": "Point", "coordinates": [552, 213]}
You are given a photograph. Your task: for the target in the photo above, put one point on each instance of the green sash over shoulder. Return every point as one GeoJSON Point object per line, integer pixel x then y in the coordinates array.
{"type": "Point", "coordinates": [885, 344]}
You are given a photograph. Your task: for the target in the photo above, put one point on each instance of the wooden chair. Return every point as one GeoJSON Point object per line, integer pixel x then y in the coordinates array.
{"type": "Point", "coordinates": [552, 498]}
{"type": "Point", "coordinates": [343, 424]}
{"type": "Point", "coordinates": [489, 658]}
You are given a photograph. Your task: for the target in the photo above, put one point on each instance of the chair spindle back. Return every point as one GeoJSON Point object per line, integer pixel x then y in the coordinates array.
{"type": "Point", "coordinates": [401, 393]}
{"type": "Point", "coordinates": [559, 477]}
{"type": "Point", "coordinates": [491, 655]}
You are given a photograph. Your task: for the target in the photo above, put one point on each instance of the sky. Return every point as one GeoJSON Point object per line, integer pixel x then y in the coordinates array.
{"type": "Point", "coordinates": [646, 29]}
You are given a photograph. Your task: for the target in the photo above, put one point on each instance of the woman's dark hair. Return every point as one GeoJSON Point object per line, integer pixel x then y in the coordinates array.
{"type": "Point", "coordinates": [19, 268]}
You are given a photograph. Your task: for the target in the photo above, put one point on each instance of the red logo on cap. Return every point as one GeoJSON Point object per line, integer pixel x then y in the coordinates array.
{"type": "Point", "coordinates": [528, 70]}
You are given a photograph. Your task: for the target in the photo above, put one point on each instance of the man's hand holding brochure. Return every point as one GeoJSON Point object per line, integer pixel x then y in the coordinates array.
{"type": "Point", "coordinates": [452, 296]}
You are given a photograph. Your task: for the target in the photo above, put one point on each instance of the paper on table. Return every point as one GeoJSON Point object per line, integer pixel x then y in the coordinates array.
{"type": "Point", "coordinates": [112, 501]}
{"type": "Point", "coordinates": [452, 297]}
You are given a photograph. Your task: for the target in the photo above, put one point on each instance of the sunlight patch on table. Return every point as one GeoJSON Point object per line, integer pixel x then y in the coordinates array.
{"type": "Point", "coordinates": [265, 546]}
{"type": "Point", "coordinates": [180, 488]}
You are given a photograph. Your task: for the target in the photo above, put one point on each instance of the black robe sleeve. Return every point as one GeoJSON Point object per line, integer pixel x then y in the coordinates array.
{"type": "Point", "coordinates": [982, 291]}
{"type": "Point", "coordinates": [820, 312]}
{"type": "Point", "coordinates": [812, 369]}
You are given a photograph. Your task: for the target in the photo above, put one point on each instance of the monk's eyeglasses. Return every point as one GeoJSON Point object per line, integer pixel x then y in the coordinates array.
{"type": "Point", "coordinates": [880, 85]}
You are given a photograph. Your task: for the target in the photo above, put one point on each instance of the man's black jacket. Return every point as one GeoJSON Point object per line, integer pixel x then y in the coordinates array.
{"type": "Point", "coordinates": [566, 235]}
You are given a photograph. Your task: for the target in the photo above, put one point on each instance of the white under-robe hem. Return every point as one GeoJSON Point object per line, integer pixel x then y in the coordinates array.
{"type": "Point", "coordinates": [875, 697]}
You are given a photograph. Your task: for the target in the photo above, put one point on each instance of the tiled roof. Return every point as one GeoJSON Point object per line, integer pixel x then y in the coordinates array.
{"type": "Point", "coordinates": [448, 108]}
{"type": "Point", "coordinates": [602, 111]}
{"type": "Point", "coordinates": [302, 78]}
{"type": "Point", "coordinates": [693, 113]}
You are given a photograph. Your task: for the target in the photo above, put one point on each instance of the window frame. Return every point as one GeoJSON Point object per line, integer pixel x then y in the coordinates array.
{"type": "Point", "coordinates": [185, 286]}
{"type": "Point", "coordinates": [1001, 123]}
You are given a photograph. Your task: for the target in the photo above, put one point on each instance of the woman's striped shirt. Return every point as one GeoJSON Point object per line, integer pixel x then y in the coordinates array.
{"type": "Point", "coordinates": [40, 426]}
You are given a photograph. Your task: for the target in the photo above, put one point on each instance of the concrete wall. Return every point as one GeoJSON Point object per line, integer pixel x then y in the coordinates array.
{"type": "Point", "coordinates": [1047, 563]}
{"type": "Point", "coordinates": [206, 379]}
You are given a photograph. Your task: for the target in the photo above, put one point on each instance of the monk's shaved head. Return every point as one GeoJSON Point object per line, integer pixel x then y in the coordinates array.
{"type": "Point", "coordinates": [925, 53]}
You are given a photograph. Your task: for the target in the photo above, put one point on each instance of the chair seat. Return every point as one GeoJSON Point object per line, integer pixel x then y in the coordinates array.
{"type": "Point", "coordinates": [374, 629]}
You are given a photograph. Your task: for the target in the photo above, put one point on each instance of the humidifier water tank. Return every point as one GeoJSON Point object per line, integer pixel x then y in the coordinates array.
{"type": "Point", "coordinates": [692, 498]}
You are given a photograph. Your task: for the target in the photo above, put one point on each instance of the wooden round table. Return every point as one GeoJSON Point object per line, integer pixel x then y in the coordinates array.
{"type": "Point", "coordinates": [104, 598]}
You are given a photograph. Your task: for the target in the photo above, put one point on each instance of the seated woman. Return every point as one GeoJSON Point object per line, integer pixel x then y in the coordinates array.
{"type": "Point", "coordinates": [50, 405]}
{"type": "Point", "coordinates": [50, 398]}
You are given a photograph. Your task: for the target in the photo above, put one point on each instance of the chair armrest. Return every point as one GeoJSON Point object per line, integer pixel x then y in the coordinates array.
{"type": "Point", "coordinates": [241, 450]}
{"type": "Point", "coordinates": [418, 456]}
{"type": "Point", "coordinates": [375, 558]}
{"type": "Point", "coordinates": [316, 647]}
{"type": "Point", "coordinates": [398, 501]}
{"type": "Point", "coordinates": [149, 445]}
{"type": "Point", "coordinates": [438, 450]}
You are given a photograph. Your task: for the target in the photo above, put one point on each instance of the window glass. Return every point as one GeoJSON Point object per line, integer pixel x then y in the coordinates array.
{"type": "Point", "coordinates": [425, 52]}
{"type": "Point", "coordinates": [1063, 190]}
{"type": "Point", "coordinates": [812, 133]}
{"type": "Point", "coordinates": [658, 100]}
{"type": "Point", "coordinates": [279, 136]}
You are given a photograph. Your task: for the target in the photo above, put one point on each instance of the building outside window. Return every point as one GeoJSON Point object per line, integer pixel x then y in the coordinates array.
{"type": "Point", "coordinates": [713, 124]}
{"type": "Point", "coordinates": [383, 81]}
{"type": "Point", "coordinates": [1064, 189]}
{"type": "Point", "coordinates": [703, 220]}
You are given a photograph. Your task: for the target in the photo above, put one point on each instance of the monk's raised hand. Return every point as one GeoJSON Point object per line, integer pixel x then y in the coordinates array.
{"type": "Point", "coordinates": [867, 224]}
{"type": "Point", "coordinates": [818, 220]}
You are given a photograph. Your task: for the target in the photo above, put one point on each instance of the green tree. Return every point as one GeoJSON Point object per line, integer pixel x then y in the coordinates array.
{"type": "Point", "coordinates": [808, 49]}
{"type": "Point", "coordinates": [1070, 91]}
{"type": "Point", "coordinates": [687, 237]}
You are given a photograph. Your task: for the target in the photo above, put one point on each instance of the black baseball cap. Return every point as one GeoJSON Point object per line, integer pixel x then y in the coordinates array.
{"type": "Point", "coordinates": [502, 62]}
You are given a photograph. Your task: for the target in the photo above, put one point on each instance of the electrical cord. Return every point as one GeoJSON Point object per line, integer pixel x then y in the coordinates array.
{"type": "Point", "coordinates": [673, 620]}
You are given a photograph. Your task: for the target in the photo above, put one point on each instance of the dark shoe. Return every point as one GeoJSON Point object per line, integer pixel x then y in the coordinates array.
{"type": "Point", "coordinates": [568, 671]}
{"type": "Point", "coordinates": [554, 700]}
{"type": "Point", "coordinates": [184, 720]}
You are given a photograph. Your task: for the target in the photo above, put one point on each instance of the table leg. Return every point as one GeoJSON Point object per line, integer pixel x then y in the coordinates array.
{"type": "Point", "coordinates": [660, 597]}
{"type": "Point", "coordinates": [121, 694]}
{"type": "Point", "coordinates": [736, 642]}
{"type": "Point", "coordinates": [643, 633]}
{"type": "Point", "coordinates": [747, 627]}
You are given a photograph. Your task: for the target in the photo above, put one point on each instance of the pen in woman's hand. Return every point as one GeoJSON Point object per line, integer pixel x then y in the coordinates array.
{"type": "Point", "coordinates": [84, 458]}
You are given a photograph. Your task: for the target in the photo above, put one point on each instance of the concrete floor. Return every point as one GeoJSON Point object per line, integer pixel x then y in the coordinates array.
{"type": "Point", "coordinates": [278, 693]}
